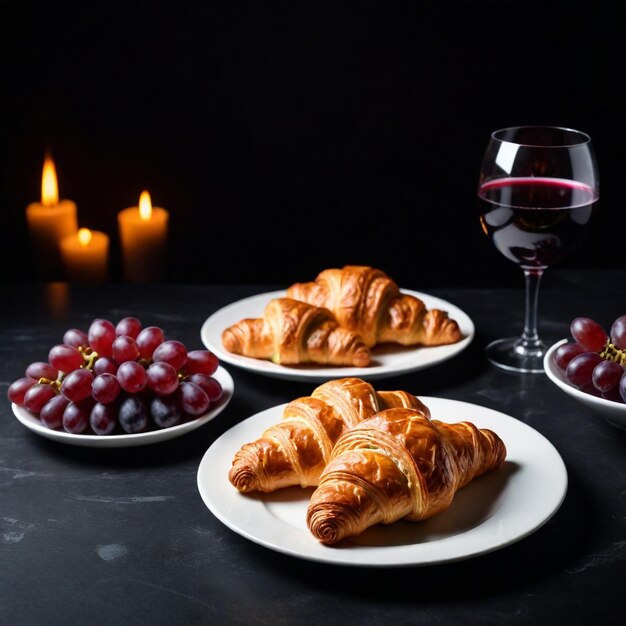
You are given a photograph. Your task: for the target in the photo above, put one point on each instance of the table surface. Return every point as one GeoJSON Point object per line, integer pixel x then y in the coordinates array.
{"type": "Point", "coordinates": [122, 536]}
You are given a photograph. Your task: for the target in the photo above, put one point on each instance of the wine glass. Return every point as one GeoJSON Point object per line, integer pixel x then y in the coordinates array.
{"type": "Point", "coordinates": [538, 190]}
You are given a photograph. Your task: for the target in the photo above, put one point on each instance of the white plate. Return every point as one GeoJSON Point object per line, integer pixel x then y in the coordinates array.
{"type": "Point", "coordinates": [387, 360]}
{"type": "Point", "coordinates": [493, 511]}
{"type": "Point", "coordinates": [138, 439]}
{"type": "Point", "coordinates": [613, 412]}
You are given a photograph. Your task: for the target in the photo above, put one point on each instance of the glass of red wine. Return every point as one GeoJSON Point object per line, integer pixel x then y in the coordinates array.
{"type": "Point", "coordinates": [538, 191]}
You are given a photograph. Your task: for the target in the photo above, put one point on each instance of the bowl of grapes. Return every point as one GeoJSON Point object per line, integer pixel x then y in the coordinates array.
{"type": "Point", "coordinates": [590, 366]}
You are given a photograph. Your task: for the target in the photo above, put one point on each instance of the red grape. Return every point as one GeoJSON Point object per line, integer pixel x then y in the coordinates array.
{"type": "Point", "coordinates": [51, 415]}
{"type": "Point", "coordinates": [209, 385]}
{"type": "Point", "coordinates": [37, 396]}
{"type": "Point", "coordinates": [565, 353]}
{"type": "Point", "coordinates": [101, 336]}
{"type": "Point", "coordinates": [613, 395]}
{"type": "Point", "coordinates": [215, 391]}
{"type": "Point", "coordinates": [591, 390]}
{"type": "Point", "coordinates": [606, 376]}
{"type": "Point", "coordinates": [162, 378]}
{"type": "Point", "coordinates": [148, 339]}
{"type": "Point", "coordinates": [172, 352]}
{"type": "Point", "coordinates": [133, 414]}
{"type": "Point", "coordinates": [17, 390]}
{"type": "Point", "coordinates": [76, 417]}
{"type": "Point", "coordinates": [622, 388]}
{"type": "Point", "coordinates": [65, 358]}
{"type": "Point", "coordinates": [76, 386]}
{"type": "Point", "coordinates": [201, 362]}
{"type": "Point", "coordinates": [103, 418]}
{"type": "Point", "coordinates": [588, 333]}
{"type": "Point", "coordinates": [42, 370]}
{"type": "Point", "coordinates": [125, 348]}
{"type": "Point", "coordinates": [75, 338]}
{"type": "Point", "coordinates": [129, 326]}
{"type": "Point", "coordinates": [580, 369]}
{"type": "Point", "coordinates": [105, 365]}
{"type": "Point", "coordinates": [618, 332]}
{"type": "Point", "coordinates": [165, 411]}
{"type": "Point", "coordinates": [193, 399]}
{"type": "Point", "coordinates": [132, 377]}
{"type": "Point", "coordinates": [105, 388]}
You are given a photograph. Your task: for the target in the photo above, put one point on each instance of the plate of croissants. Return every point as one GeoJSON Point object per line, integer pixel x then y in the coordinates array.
{"type": "Point", "coordinates": [357, 476]}
{"type": "Point", "coordinates": [353, 321]}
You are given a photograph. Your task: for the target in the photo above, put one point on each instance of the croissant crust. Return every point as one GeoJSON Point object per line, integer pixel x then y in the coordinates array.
{"type": "Point", "coordinates": [296, 450]}
{"type": "Point", "coordinates": [368, 302]}
{"type": "Point", "coordinates": [397, 464]}
{"type": "Point", "coordinates": [292, 332]}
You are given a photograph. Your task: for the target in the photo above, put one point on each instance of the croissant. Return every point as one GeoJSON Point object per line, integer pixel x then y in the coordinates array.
{"type": "Point", "coordinates": [366, 301]}
{"type": "Point", "coordinates": [397, 464]}
{"type": "Point", "coordinates": [295, 451]}
{"type": "Point", "coordinates": [292, 332]}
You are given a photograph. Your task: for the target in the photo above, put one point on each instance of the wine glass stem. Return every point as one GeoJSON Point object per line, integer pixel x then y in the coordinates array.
{"type": "Point", "coordinates": [530, 337]}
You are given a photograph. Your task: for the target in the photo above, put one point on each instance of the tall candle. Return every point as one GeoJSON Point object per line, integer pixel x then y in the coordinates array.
{"type": "Point", "coordinates": [85, 256]}
{"type": "Point", "coordinates": [49, 221]}
{"type": "Point", "coordinates": [143, 238]}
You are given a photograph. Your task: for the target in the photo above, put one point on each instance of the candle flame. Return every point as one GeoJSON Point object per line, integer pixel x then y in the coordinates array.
{"type": "Point", "coordinates": [145, 206]}
{"type": "Point", "coordinates": [49, 186]}
{"type": "Point", "coordinates": [84, 236]}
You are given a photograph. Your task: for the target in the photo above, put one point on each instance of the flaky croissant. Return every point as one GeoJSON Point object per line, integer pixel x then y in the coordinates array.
{"type": "Point", "coordinates": [397, 464]}
{"type": "Point", "coordinates": [295, 451]}
{"type": "Point", "coordinates": [292, 332]}
{"type": "Point", "coordinates": [366, 301]}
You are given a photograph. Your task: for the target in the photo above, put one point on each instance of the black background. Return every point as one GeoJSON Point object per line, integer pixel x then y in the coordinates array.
{"type": "Point", "coordinates": [286, 137]}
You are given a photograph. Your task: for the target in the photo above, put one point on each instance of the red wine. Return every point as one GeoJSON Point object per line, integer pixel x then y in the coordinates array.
{"type": "Point", "coordinates": [535, 222]}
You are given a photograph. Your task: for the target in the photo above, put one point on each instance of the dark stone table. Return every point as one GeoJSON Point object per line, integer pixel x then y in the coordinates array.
{"type": "Point", "coordinates": [121, 536]}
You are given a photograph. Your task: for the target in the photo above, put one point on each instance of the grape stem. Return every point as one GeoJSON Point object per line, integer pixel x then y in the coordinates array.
{"type": "Point", "coordinates": [611, 353]}
{"type": "Point", "coordinates": [89, 356]}
{"type": "Point", "coordinates": [55, 384]}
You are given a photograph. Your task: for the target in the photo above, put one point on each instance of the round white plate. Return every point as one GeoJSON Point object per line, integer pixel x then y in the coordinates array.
{"type": "Point", "coordinates": [493, 511]}
{"type": "Point", "coordinates": [138, 439]}
{"type": "Point", "coordinates": [387, 360]}
{"type": "Point", "coordinates": [613, 412]}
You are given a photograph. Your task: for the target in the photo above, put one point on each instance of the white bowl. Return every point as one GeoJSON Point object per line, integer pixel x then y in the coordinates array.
{"type": "Point", "coordinates": [613, 412]}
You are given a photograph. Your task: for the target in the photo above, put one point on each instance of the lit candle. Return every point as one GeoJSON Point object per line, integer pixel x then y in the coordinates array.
{"type": "Point", "coordinates": [49, 221]}
{"type": "Point", "coordinates": [143, 238]}
{"type": "Point", "coordinates": [85, 256]}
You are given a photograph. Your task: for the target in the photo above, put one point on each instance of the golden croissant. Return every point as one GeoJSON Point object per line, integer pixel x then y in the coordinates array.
{"type": "Point", "coordinates": [366, 301]}
{"type": "Point", "coordinates": [397, 464]}
{"type": "Point", "coordinates": [292, 332]}
{"type": "Point", "coordinates": [295, 450]}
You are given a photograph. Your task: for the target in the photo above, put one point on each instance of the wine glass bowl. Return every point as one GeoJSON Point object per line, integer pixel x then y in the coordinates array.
{"type": "Point", "coordinates": [537, 192]}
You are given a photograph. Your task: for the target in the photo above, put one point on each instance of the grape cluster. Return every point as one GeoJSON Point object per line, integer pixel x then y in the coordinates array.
{"type": "Point", "coordinates": [595, 362]}
{"type": "Point", "coordinates": [118, 377]}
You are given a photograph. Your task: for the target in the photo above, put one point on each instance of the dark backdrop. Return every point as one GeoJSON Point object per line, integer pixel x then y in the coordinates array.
{"type": "Point", "coordinates": [285, 137]}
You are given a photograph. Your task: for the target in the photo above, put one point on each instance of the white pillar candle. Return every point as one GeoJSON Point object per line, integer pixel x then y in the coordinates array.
{"type": "Point", "coordinates": [49, 221]}
{"type": "Point", "coordinates": [85, 256]}
{"type": "Point", "coordinates": [143, 239]}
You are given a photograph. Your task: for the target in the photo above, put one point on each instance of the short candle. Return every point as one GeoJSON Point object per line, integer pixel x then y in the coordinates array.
{"type": "Point", "coordinates": [50, 221]}
{"type": "Point", "coordinates": [85, 256]}
{"type": "Point", "coordinates": [143, 238]}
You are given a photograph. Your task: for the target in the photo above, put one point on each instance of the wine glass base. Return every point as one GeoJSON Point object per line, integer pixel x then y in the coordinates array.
{"type": "Point", "coordinates": [513, 355]}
